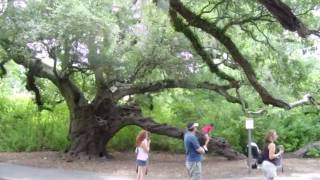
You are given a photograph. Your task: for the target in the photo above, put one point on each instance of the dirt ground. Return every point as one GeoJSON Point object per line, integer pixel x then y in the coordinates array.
{"type": "Point", "coordinates": [162, 165]}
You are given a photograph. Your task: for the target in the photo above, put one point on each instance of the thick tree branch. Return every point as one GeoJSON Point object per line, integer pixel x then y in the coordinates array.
{"type": "Point", "coordinates": [306, 100]}
{"type": "Point", "coordinates": [165, 84]}
{"type": "Point", "coordinates": [283, 13]}
{"type": "Point", "coordinates": [31, 85]}
{"type": "Point", "coordinates": [217, 144]}
{"type": "Point", "coordinates": [68, 89]}
{"type": "Point", "coordinates": [216, 32]}
{"type": "Point", "coordinates": [44, 72]}
{"type": "Point", "coordinates": [195, 41]}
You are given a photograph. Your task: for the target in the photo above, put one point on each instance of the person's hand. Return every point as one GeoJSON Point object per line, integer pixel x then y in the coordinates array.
{"type": "Point", "coordinates": [281, 151]}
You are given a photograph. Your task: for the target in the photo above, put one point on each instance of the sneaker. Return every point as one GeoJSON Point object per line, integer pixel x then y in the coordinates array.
{"type": "Point", "coordinates": [205, 148]}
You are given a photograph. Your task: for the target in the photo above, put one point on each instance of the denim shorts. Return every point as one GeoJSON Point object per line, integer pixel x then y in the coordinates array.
{"type": "Point", "coordinates": [141, 163]}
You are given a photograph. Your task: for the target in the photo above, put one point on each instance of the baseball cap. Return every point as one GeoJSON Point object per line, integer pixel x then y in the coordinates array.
{"type": "Point", "coordinates": [192, 125]}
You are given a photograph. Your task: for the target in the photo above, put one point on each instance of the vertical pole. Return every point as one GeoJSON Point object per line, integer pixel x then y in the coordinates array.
{"type": "Point", "coordinates": [249, 150]}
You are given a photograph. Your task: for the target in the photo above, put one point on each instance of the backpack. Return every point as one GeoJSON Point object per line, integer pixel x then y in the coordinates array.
{"type": "Point", "coordinates": [260, 158]}
{"type": "Point", "coordinates": [257, 155]}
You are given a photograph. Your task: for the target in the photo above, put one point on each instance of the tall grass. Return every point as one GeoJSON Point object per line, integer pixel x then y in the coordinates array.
{"type": "Point", "coordinates": [23, 128]}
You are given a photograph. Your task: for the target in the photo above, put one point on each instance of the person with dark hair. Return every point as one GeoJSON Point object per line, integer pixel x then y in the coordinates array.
{"type": "Point", "coordinates": [269, 164]}
{"type": "Point", "coordinates": [206, 130]}
{"type": "Point", "coordinates": [142, 151]}
{"type": "Point", "coordinates": [193, 152]}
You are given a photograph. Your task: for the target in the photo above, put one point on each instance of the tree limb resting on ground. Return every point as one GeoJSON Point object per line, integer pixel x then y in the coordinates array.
{"type": "Point", "coordinates": [217, 144]}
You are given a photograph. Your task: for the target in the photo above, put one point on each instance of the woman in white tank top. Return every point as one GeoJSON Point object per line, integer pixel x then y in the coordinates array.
{"type": "Point", "coordinates": [142, 151]}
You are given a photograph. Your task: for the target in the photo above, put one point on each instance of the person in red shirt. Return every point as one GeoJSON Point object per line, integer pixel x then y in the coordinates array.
{"type": "Point", "coordinates": [206, 130]}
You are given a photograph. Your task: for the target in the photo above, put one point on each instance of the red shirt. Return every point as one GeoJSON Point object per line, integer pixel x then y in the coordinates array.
{"type": "Point", "coordinates": [207, 129]}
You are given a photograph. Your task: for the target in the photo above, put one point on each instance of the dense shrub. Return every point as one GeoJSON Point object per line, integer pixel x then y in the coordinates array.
{"type": "Point", "coordinates": [23, 128]}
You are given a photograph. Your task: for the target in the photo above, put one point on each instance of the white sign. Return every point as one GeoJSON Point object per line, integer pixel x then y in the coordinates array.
{"type": "Point", "coordinates": [249, 123]}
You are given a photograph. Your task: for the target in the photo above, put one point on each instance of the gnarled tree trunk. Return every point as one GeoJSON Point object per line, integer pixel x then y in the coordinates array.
{"type": "Point", "coordinates": [92, 127]}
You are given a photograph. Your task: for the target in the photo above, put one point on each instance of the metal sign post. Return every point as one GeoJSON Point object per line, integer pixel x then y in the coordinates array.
{"type": "Point", "coordinates": [249, 127]}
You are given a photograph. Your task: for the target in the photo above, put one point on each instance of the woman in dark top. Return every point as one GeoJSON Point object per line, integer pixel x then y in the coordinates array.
{"type": "Point", "coordinates": [269, 165]}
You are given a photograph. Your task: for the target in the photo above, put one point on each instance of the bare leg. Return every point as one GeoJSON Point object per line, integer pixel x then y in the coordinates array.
{"type": "Point", "coordinates": [139, 173]}
{"type": "Point", "coordinates": [143, 171]}
{"type": "Point", "coordinates": [206, 143]}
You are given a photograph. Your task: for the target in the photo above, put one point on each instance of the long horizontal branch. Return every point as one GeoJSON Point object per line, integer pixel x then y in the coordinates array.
{"type": "Point", "coordinates": [217, 144]}
{"type": "Point", "coordinates": [216, 32]}
{"type": "Point", "coordinates": [43, 70]}
{"type": "Point", "coordinates": [306, 100]}
{"type": "Point", "coordinates": [168, 83]}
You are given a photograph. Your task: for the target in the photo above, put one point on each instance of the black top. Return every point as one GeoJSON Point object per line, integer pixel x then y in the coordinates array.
{"type": "Point", "coordinates": [266, 155]}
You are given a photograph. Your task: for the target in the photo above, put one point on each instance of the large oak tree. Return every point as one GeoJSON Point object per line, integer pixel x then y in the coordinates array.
{"type": "Point", "coordinates": [119, 54]}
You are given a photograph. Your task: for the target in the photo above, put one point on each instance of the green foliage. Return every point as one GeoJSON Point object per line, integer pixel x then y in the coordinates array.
{"type": "Point", "coordinates": [23, 128]}
{"type": "Point", "coordinates": [296, 128]}
{"type": "Point", "coordinates": [125, 139]}
{"type": "Point", "coordinates": [313, 152]}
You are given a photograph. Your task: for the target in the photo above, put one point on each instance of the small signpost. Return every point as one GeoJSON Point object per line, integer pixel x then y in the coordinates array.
{"type": "Point", "coordinates": [249, 127]}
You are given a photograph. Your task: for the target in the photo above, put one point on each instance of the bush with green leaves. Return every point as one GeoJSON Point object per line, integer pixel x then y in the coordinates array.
{"type": "Point", "coordinates": [313, 152]}
{"type": "Point", "coordinates": [24, 128]}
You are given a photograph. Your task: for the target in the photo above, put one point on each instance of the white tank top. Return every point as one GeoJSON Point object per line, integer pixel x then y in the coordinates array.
{"type": "Point", "coordinates": [141, 153]}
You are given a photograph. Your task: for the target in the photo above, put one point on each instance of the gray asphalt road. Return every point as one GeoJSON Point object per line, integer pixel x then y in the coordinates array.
{"type": "Point", "coordinates": [17, 172]}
